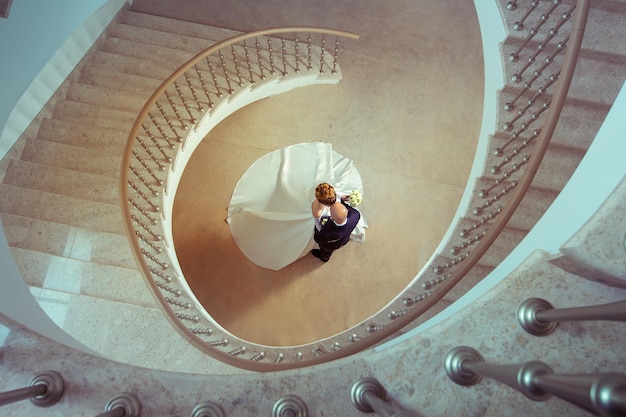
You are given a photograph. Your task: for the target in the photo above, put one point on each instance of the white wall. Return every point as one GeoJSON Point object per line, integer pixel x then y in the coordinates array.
{"type": "Point", "coordinates": [40, 43]}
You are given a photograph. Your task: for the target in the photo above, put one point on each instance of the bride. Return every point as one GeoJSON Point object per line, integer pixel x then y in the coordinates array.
{"type": "Point", "coordinates": [270, 211]}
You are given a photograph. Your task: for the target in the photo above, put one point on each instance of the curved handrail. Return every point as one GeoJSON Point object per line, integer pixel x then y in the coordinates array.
{"type": "Point", "coordinates": [374, 333]}
{"type": "Point", "coordinates": [124, 177]}
{"type": "Point", "coordinates": [567, 72]}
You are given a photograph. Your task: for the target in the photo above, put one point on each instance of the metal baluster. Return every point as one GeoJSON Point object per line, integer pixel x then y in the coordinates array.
{"type": "Point", "coordinates": [335, 56]}
{"type": "Point", "coordinates": [394, 314]}
{"type": "Point", "coordinates": [372, 328]}
{"type": "Point", "coordinates": [279, 358]}
{"type": "Point", "coordinates": [223, 63]}
{"type": "Point", "coordinates": [431, 283]}
{"type": "Point", "coordinates": [161, 275]}
{"type": "Point", "coordinates": [289, 406]}
{"type": "Point", "coordinates": [601, 394]}
{"type": "Point", "coordinates": [283, 52]}
{"type": "Point", "coordinates": [193, 91]}
{"type": "Point", "coordinates": [259, 57]}
{"type": "Point", "coordinates": [149, 152]}
{"type": "Point", "coordinates": [202, 331]}
{"type": "Point", "coordinates": [205, 89]}
{"type": "Point", "coordinates": [409, 301]}
{"type": "Point", "coordinates": [504, 191]}
{"type": "Point", "coordinates": [168, 121]}
{"type": "Point", "coordinates": [184, 101]}
{"type": "Point", "coordinates": [207, 409]}
{"type": "Point", "coordinates": [143, 180]}
{"type": "Point", "coordinates": [175, 109]}
{"type": "Point", "coordinates": [122, 405]}
{"type": "Point", "coordinates": [368, 396]}
{"type": "Point", "coordinates": [162, 264]}
{"type": "Point", "coordinates": [236, 60]}
{"type": "Point", "coordinates": [539, 318]}
{"type": "Point", "coordinates": [519, 25]}
{"type": "Point", "coordinates": [239, 351]}
{"type": "Point", "coordinates": [177, 303]}
{"type": "Point", "coordinates": [143, 196]}
{"type": "Point", "coordinates": [220, 342]}
{"type": "Point", "coordinates": [145, 227]}
{"type": "Point", "coordinates": [271, 55]}
{"type": "Point", "coordinates": [45, 389]}
{"type": "Point", "coordinates": [160, 129]}
{"type": "Point", "coordinates": [248, 63]}
{"type": "Point", "coordinates": [322, 51]}
{"type": "Point", "coordinates": [259, 356]}
{"type": "Point", "coordinates": [214, 77]}
{"type": "Point", "coordinates": [188, 317]}
{"type": "Point", "coordinates": [142, 211]}
{"type": "Point", "coordinates": [148, 242]}
{"type": "Point", "coordinates": [156, 143]}
{"type": "Point", "coordinates": [484, 220]}
{"type": "Point", "coordinates": [297, 48]}
{"type": "Point", "coordinates": [168, 289]}
{"type": "Point", "coordinates": [147, 168]}
{"type": "Point", "coordinates": [309, 53]}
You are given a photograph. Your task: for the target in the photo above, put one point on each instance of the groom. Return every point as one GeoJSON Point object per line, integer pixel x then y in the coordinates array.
{"type": "Point", "coordinates": [335, 221]}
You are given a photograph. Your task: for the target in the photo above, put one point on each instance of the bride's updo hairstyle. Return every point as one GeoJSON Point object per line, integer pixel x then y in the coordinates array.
{"type": "Point", "coordinates": [325, 194]}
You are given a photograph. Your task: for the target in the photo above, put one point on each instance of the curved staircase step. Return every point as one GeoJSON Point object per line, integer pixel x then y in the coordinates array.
{"type": "Point", "coordinates": [68, 241]}
{"type": "Point", "coordinates": [181, 27]}
{"type": "Point", "coordinates": [100, 119]}
{"type": "Point", "coordinates": [71, 157]}
{"type": "Point", "coordinates": [57, 208]}
{"type": "Point", "coordinates": [61, 181]}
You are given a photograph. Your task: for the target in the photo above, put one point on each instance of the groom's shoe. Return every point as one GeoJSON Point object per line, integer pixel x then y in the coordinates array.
{"type": "Point", "coordinates": [318, 254]}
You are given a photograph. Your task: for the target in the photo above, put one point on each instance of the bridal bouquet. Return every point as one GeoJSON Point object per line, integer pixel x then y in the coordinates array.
{"type": "Point", "coordinates": [355, 198]}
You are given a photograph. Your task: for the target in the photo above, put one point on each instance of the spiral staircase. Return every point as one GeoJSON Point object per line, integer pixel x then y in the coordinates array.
{"type": "Point", "coordinates": [87, 121]}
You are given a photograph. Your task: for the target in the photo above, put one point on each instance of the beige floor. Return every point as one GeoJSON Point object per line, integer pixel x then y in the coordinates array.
{"type": "Point", "coordinates": [408, 113]}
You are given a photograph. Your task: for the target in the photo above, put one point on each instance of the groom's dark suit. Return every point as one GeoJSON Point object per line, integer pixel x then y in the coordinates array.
{"type": "Point", "coordinates": [332, 237]}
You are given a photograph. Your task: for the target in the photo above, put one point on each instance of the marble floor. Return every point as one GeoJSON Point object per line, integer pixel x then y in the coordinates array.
{"type": "Point", "coordinates": [407, 112]}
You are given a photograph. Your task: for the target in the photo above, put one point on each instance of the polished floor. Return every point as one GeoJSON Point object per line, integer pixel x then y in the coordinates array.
{"type": "Point", "coordinates": [407, 112]}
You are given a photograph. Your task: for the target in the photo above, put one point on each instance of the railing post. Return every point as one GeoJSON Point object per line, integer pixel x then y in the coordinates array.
{"type": "Point", "coordinates": [122, 405]}
{"type": "Point", "coordinates": [603, 394]}
{"type": "Point", "coordinates": [44, 390]}
{"type": "Point", "coordinates": [207, 409]}
{"type": "Point", "coordinates": [539, 318]}
{"type": "Point", "coordinates": [368, 396]}
{"type": "Point", "coordinates": [289, 406]}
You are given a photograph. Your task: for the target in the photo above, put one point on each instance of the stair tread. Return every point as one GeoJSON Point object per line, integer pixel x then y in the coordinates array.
{"type": "Point", "coordinates": [113, 99]}
{"type": "Point", "coordinates": [131, 65]}
{"type": "Point", "coordinates": [76, 276]}
{"type": "Point", "coordinates": [154, 39]}
{"type": "Point", "coordinates": [62, 181]}
{"type": "Point", "coordinates": [71, 157]}
{"type": "Point", "coordinates": [151, 53]}
{"type": "Point", "coordinates": [95, 117]}
{"type": "Point", "coordinates": [177, 26]}
{"type": "Point", "coordinates": [105, 78]}
{"type": "Point", "coordinates": [62, 209]}
{"type": "Point", "coordinates": [69, 241]}
{"type": "Point", "coordinates": [82, 135]}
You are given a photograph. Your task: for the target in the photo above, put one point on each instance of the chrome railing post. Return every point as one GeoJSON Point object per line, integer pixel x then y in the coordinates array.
{"type": "Point", "coordinates": [207, 409]}
{"type": "Point", "coordinates": [44, 390]}
{"type": "Point", "coordinates": [368, 396]}
{"type": "Point", "coordinates": [289, 406]}
{"type": "Point", "coordinates": [122, 405]}
{"type": "Point", "coordinates": [539, 318]}
{"type": "Point", "coordinates": [603, 394]}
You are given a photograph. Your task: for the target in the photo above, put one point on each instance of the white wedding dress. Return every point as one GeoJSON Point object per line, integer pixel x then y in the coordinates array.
{"type": "Point", "coordinates": [270, 210]}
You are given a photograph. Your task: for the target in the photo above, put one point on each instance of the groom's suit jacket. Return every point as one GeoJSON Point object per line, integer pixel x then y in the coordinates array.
{"type": "Point", "coordinates": [332, 236]}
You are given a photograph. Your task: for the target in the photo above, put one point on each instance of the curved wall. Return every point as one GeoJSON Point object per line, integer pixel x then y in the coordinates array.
{"type": "Point", "coordinates": [41, 42]}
